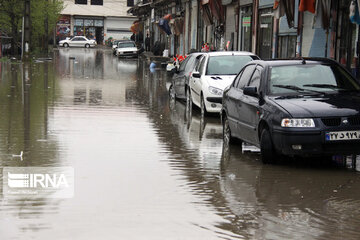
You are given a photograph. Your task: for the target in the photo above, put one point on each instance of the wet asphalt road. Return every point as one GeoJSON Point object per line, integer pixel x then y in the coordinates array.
{"type": "Point", "coordinates": [145, 168]}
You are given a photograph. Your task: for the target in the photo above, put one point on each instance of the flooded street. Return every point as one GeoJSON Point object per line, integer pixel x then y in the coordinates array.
{"type": "Point", "coordinates": [145, 168]}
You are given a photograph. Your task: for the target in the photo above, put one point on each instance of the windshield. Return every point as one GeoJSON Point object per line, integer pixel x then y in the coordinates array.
{"type": "Point", "coordinates": [226, 65]}
{"type": "Point", "coordinates": [126, 45]}
{"type": "Point", "coordinates": [310, 79]}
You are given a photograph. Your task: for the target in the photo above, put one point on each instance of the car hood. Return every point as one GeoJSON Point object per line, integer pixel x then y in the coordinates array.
{"type": "Point", "coordinates": [130, 49]}
{"type": "Point", "coordinates": [332, 105]}
{"type": "Point", "coordinates": [219, 81]}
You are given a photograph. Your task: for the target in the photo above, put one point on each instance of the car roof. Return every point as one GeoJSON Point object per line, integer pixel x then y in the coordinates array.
{"type": "Point", "coordinates": [228, 53]}
{"type": "Point", "coordinates": [297, 61]}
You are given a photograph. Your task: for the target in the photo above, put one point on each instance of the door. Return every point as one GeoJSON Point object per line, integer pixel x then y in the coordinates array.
{"type": "Point", "coordinates": [236, 98]}
{"type": "Point", "coordinates": [179, 79]}
{"type": "Point", "coordinates": [249, 110]}
{"type": "Point", "coordinates": [195, 83]}
{"type": "Point", "coordinates": [265, 35]}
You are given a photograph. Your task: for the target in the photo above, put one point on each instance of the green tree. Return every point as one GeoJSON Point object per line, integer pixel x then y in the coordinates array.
{"type": "Point", "coordinates": [11, 12]}
{"type": "Point", "coordinates": [44, 15]}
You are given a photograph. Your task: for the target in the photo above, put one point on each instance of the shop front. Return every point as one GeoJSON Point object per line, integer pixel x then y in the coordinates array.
{"type": "Point", "coordinates": [92, 28]}
{"type": "Point", "coordinates": [63, 28]}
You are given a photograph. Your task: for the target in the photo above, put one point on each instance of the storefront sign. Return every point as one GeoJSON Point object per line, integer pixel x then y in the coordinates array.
{"type": "Point", "coordinates": [88, 22]}
{"type": "Point", "coordinates": [79, 22]}
{"type": "Point", "coordinates": [246, 21]}
{"type": "Point", "coordinates": [99, 23]}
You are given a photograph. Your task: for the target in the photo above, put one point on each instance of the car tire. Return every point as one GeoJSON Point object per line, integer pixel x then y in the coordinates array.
{"type": "Point", "coordinates": [204, 113]}
{"type": "Point", "coordinates": [227, 138]}
{"type": "Point", "coordinates": [87, 45]}
{"type": "Point", "coordinates": [268, 154]}
{"type": "Point", "coordinates": [66, 45]}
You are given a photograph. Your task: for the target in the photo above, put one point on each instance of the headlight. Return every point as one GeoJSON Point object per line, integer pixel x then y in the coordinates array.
{"type": "Point", "coordinates": [298, 122]}
{"type": "Point", "coordinates": [216, 91]}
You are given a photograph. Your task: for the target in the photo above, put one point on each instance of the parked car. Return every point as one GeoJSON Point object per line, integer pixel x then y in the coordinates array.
{"type": "Point", "coordinates": [114, 46]}
{"type": "Point", "coordinates": [180, 79]}
{"type": "Point", "coordinates": [127, 49]}
{"type": "Point", "coordinates": [77, 41]}
{"type": "Point", "coordinates": [214, 72]}
{"type": "Point", "coordinates": [308, 107]}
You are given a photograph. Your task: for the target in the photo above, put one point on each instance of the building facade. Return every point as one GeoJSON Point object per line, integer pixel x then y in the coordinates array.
{"type": "Point", "coordinates": [269, 28]}
{"type": "Point", "coordinates": [98, 19]}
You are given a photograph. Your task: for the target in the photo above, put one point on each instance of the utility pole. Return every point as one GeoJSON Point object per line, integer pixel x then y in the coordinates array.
{"type": "Point", "coordinates": [27, 30]}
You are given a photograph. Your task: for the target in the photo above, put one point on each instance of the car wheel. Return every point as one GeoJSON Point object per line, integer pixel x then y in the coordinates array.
{"type": "Point", "coordinates": [87, 45]}
{"type": "Point", "coordinates": [268, 154]}
{"type": "Point", "coordinates": [203, 107]}
{"type": "Point", "coordinates": [66, 45]}
{"type": "Point", "coordinates": [172, 93]}
{"type": "Point", "coordinates": [228, 139]}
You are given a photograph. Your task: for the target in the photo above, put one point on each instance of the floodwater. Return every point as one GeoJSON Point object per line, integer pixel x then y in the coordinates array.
{"type": "Point", "coordinates": [145, 168]}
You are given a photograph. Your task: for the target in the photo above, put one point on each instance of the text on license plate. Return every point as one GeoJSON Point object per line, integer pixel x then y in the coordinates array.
{"type": "Point", "coordinates": [345, 135]}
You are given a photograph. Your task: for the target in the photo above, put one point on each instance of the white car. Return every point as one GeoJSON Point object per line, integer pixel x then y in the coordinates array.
{"type": "Point", "coordinates": [78, 41]}
{"type": "Point", "coordinates": [127, 49]}
{"type": "Point", "coordinates": [214, 72]}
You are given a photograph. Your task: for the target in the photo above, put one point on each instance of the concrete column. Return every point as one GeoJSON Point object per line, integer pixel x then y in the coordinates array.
{"type": "Point", "coordinates": [186, 29]}
{"type": "Point", "coordinates": [194, 20]}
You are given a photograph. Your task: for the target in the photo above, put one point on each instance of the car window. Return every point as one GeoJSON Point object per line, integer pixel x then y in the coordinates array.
{"type": "Point", "coordinates": [126, 45]}
{"type": "Point", "coordinates": [200, 65]}
{"type": "Point", "coordinates": [245, 76]}
{"type": "Point", "coordinates": [191, 63]}
{"type": "Point", "coordinates": [255, 79]}
{"type": "Point", "coordinates": [310, 78]}
{"type": "Point", "coordinates": [227, 65]}
{"type": "Point", "coordinates": [237, 78]}
{"type": "Point", "coordinates": [183, 64]}
{"type": "Point", "coordinates": [75, 39]}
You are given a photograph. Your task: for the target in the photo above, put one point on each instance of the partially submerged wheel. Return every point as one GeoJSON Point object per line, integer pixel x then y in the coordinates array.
{"type": "Point", "coordinates": [268, 154]}
{"type": "Point", "coordinates": [227, 132]}
{"type": "Point", "coordinates": [204, 113]}
{"type": "Point", "coordinates": [87, 45]}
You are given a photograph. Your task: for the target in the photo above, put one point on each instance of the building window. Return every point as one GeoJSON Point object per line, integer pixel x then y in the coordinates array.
{"type": "Point", "coordinates": [81, 2]}
{"type": "Point", "coordinates": [130, 3]}
{"type": "Point", "coordinates": [287, 46]}
{"type": "Point", "coordinates": [96, 2]}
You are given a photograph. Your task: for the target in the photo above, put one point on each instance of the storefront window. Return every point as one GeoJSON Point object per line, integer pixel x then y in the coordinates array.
{"type": "Point", "coordinates": [88, 22]}
{"type": "Point", "coordinates": [287, 46]}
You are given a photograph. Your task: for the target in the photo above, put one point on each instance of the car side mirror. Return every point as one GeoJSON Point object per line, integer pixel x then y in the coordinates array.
{"type": "Point", "coordinates": [251, 91]}
{"type": "Point", "coordinates": [196, 75]}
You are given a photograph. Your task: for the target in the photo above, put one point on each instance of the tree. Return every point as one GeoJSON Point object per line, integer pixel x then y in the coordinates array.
{"type": "Point", "coordinates": [43, 12]}
{"type": "Point", "coordinates": [11, 12]}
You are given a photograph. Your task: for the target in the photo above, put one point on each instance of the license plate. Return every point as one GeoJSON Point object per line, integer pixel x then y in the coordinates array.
{"type": "Point", "coordinates": [345, 135]}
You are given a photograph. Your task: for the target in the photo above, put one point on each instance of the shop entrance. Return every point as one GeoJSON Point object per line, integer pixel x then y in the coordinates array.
{"type": "Point", "coordinates": [99, 34]}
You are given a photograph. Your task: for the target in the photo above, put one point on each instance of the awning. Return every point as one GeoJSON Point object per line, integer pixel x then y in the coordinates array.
{"type": "Point", "coordinates": [208, 20]}
{"type": "Point", "coordinates": [217, 10]}
{"type": "Point", "coordinates": [287, 7]}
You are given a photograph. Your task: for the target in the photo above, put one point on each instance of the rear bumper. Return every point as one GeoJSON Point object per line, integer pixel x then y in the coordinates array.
{"type": "Point", "coordinates": [312, 143]}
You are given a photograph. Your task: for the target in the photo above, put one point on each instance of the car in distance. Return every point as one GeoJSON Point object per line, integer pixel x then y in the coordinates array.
{"type": "Point", "coordinates": [214, 72]}
{"type": "Point", "coordinates": [308, 107]}
{"type": "Point", "coordinates": [77, 41]}
{"type": "Point", "coordinates": [180, 79]}
{"type": "Point", "coordinates": [127, 49]}
{"type": "Point", "coordinates": [114, 46]}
